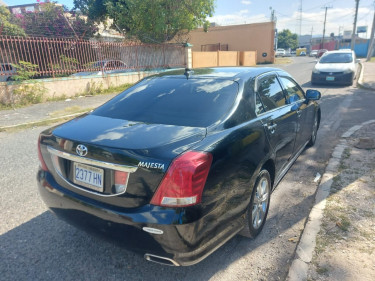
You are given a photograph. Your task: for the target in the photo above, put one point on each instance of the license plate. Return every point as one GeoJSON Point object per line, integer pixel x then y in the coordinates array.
{"type": "Point", "coordinates": [88, 176]}
{"type": "Point", "coordinates": [330, 78]}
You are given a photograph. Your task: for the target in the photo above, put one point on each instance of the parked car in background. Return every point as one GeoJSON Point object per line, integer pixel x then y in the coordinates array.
{"type": "Point", "coordinates": [287, 54]}
{"type": "Point", "coordinates": [104, 67]}
{"type": "Point", "coordinates": [279, 53]}
{"type": "Point", "coordinates": [321, 52]}
{"type": "Point", "coordinates": [336, 67]}
{"type": "Point", "coordinates": [179, 163]}
{"type": "Point", "coordinates": [313, 53]}
{"type": "Point", "coordinates": [302, 54]}
{"type": "Point", "coordinates": [6, 71]}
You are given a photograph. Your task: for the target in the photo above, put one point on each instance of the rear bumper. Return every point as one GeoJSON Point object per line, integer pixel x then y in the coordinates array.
{"type": "Point", "coordinates": [337, 79]}
{"type": "Point", "coordinates": [183, 236]}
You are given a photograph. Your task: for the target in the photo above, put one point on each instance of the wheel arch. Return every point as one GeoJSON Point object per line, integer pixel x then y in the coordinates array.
{"type": "Point", "coordinates": [269, 165]}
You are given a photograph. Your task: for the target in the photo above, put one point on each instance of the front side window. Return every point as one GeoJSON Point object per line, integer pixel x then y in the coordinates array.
{"type": "Point", "coordinates": [292, 91]}
{"type": "Point", "coordinates": [270, 92]}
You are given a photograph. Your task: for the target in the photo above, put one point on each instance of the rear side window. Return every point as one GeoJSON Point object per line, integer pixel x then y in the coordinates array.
{"type": "Point", "coordinates": [270, 92]}
{"type": "Point", "coordinates": [173, 101]}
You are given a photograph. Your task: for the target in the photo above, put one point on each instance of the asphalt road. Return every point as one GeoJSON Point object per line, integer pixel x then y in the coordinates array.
{"type": "Point", "coordinates": [34, 245]}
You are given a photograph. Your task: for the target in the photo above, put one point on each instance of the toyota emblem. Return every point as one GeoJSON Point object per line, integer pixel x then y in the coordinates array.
{"type": "Point", "coordinates": [81, 150]}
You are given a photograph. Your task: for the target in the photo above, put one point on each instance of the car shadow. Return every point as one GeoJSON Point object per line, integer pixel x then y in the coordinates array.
{"type": "Point", "coordinates": [323, 86]}
{"type": "Point", "coordinates": [46, 248]}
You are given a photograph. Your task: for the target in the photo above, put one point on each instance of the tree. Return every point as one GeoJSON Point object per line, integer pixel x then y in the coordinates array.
{"type": "Point", "coordinates": [55, 21]}
{"type": "Point", "coordinates": [287, 39]}
{"type": "Point", "coordinates": [6, 25]}
{"type": "Point", "coordinates": [150, 21]}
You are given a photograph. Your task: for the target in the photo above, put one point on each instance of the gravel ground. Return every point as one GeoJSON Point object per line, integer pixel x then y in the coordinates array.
{"type": "Point", "coordinates": [345, 248]}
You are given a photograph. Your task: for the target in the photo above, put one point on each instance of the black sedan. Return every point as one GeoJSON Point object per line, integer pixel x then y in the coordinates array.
{"type": "Point", "coordinates": [179, 163]}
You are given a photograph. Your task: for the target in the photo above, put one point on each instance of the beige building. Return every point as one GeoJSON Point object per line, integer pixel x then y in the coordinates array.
{"type": "Point", "coordinates": [246, 37]}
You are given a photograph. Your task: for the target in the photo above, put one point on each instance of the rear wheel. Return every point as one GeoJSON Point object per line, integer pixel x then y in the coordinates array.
{"type": "Point", "coordinates": [257, 211]}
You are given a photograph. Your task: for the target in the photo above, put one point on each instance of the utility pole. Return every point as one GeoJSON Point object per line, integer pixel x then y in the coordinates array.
{"type": "Point", "coordinates": [369, 52]}
{"type": "Point", "coordinates": [300, 19]}
{"type": "Point", "coordinates": [354, 25]}
{"type": "Point", "coordinates": [324, 28]}
{"type": "Point", "coordinates": [273, 18]}
{"type": "Point", "coordinates": [339, 36]}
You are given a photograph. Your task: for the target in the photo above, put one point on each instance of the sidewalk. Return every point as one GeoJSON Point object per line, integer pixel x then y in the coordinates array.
{"type": "Point", "coordinates": [367, 78]}
{"type": "Point", "coordinates": [339, 236]}
{"type": "Point", "coordinates": [338, 242]}
{"type": "Point", "coordinates": [50, 111]}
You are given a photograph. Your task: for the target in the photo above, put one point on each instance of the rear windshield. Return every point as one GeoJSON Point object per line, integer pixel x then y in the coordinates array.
{"type": "Point", "coordinates": [173, 101]}
{"type": "Point", "coordinates": [337, 58]}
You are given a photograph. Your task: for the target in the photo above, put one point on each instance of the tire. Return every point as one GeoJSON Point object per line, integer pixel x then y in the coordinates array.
{"type": "Point", "coordinates": [257, 210]}
{"type": "Point", "coordinates": [314, 131]}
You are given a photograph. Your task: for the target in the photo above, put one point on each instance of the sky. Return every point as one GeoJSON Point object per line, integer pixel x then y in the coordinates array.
{"type": "Point", "coordinates": [340, 14]}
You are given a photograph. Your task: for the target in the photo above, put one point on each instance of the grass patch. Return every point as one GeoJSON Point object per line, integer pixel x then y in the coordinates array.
{"type": "Point", "coordinates": [343, 223]}
{"type": "Point", "coordinates": [26, 96]}
{"type": "Point", "coordinates": [36, 124]}
{"type": "Point", "coordinates": [372, 59]}
{"type": "Point", "coordinates": [68, 111]}
{"type": "Point", "coordinates": [321, 244]}
{"type": "Point", "coordinates": [322, 270]}
{"type": "Point", "coordinates": [346, 153]}
{"type": "Point", "coordinates": [283, 60]}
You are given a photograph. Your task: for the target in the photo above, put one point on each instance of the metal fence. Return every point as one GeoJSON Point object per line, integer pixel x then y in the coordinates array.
{"type": "Point", "coordinates": [54, 57]}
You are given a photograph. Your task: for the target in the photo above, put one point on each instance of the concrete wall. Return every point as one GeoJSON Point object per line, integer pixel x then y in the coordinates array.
{"type": "Point", "coordinates": [248, 37]}
{"type": "Point", "coordinates": [248, 58]}
{"type": "Point", "coordinates": [71, 86]}
{"type": "Point", "coordinates": [204, 59]}
{"type": "Point", "coordinates": [230, 58]}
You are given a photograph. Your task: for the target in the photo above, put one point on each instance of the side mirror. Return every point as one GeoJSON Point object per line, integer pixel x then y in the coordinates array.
{"type": "Point", "coordinates": [313, 95]}
{"type": "Point", "coordinates": [357, 61]}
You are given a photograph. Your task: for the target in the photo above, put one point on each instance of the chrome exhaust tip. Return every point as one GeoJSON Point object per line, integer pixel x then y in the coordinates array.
{"type": "Point", "coordinates": [161, 260]}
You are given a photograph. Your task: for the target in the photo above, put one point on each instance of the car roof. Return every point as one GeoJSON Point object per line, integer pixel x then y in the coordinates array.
{"type": "Point", "coordinates": [341, 51]}
{"type": "Point", "coordinates": [231, 73]}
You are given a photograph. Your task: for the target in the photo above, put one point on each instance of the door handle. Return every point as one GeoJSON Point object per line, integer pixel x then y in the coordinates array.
{"type": "Point", "coordinates": [271, 127]}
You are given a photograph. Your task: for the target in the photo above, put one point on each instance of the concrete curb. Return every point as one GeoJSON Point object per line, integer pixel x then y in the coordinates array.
{"type": "Point", "coordinates": [360, 79]}
{"type": "Point", "coordinates": [305, 248]}
{"type": "Point", "coordinates": [41, 121]}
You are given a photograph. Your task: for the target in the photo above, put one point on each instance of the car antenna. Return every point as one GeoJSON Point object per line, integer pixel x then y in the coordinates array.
{"type": "Point", "coordinates": [188, 72]}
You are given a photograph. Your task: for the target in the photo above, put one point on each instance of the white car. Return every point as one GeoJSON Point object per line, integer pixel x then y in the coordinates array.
{"type": "Point", "coordinates": [103, 67]}
{"type": "Point", "coordinates": [313, 53]}
{"type": "Point", "coordinates": [280, 53]}
{"type": "Point", "coordinates": [336, 67]}
{"type": "Point", "coordinates": [6, 71]}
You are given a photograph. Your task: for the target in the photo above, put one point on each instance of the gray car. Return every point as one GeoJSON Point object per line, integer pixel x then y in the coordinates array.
{"type": "Point", "coordinates": [104, 67]}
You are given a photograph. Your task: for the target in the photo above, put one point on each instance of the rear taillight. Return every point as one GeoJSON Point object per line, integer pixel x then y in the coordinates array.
{"type": "Point", "coordinates": [121, 181]}
{"type": "Point", "coordinates": [41, 160]}
{"type": "Point", "coordinates": [184, 181]}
